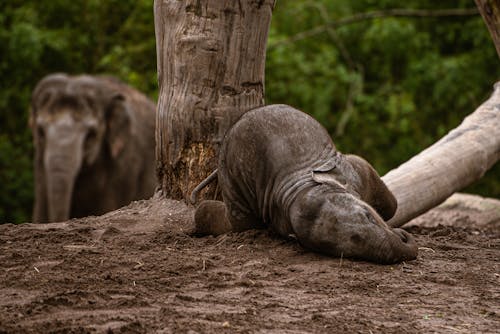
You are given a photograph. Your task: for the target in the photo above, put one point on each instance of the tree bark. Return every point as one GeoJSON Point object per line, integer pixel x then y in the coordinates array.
{"type": "Point", "coordinates": [454, 162]}
{"type": "Point", "coordinates": [211, 58]}
{"type": "Point", "coordinates": [490, 11]}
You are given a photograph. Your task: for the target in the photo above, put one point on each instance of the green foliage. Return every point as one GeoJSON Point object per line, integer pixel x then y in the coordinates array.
{"type": "Point", "coordinates": [384, 88]}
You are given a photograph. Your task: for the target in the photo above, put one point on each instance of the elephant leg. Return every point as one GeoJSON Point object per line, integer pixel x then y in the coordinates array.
{"type": "Point", "coordinates": [214, 218]}
{"type": "Point", "coordinates": [210, 218]}
{"type": "Point", "coordinates": [372, 189]}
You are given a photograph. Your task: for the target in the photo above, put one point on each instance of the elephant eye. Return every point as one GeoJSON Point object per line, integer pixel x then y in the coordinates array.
{"type": "Point", "coordinates": [40, 132]}
{"type": "Point", "coordinates": [90, 103]}
{"type": "Point", "coordinates": [370, 218]}
{"type": "Point", "coordinates": [90, 139]}
{"type": "Point", "coordinates": [91, 134]}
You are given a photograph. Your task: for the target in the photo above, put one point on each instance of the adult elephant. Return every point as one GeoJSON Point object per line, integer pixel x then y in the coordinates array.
{"type": "Point", "coordinates": [94, 146]}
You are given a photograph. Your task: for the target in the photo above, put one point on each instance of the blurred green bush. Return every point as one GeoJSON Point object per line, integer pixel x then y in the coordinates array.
{"type": "Point", "coordinates": [385, 88]}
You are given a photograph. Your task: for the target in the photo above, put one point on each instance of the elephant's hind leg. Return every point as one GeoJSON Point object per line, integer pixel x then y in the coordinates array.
{"type": "Point", "coordinates": [214, 218]}
{"type": "Point", "coordinates": [210, 219]}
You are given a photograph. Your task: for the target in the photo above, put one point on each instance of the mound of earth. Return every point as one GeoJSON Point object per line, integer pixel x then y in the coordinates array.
{"type": "Point", "coordinates": [138, 270]}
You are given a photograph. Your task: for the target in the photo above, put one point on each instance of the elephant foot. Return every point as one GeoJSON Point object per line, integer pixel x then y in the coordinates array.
{"type": "Point", "coordinates": [210, 219]}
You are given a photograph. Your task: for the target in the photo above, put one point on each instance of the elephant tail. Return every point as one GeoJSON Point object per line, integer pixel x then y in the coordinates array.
{"type": "Point", "coordinates": [202, 185]}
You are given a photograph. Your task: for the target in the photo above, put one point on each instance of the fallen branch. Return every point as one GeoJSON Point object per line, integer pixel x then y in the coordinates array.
{"type": "Point", "coordinates": [454, 162]}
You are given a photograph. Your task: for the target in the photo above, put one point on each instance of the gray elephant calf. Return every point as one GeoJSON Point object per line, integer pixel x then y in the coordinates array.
{"type": "Point", "coordinates": [278, 167]}
{"type": "Point", "coordinates": [94, 146]}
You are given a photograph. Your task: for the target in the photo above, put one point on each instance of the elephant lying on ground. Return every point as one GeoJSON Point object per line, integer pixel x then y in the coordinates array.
{"type": "Point", "coordinates": [279, 168]}
{"type": "Point", "coordinates": [94, 146]}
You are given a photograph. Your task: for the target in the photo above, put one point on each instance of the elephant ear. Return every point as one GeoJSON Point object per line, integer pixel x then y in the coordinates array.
{"type": "Point", "coordinates": [338, 174]}
{"type": "Point", "coordinates": [118, 124]}
{"type": "Point", "coordinates": [330, 177]}
{"type": "Point", "coordinates": [372, 189]}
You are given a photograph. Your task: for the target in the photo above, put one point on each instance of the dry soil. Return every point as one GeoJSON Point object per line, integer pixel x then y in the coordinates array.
{"type": "Point", "coordinates": [138, 270]}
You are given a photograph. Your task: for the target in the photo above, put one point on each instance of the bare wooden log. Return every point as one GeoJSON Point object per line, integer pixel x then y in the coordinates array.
{"type": "Point", "coordinates": [211, 58]}
{"type": "Point", "coordinates": [457, 160]}
{"type": "Point", "coordinates": [490, 11]}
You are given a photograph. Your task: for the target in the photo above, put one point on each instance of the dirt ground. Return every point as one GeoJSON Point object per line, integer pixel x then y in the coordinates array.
{"type": "Point", "coordinates": [138, 270]}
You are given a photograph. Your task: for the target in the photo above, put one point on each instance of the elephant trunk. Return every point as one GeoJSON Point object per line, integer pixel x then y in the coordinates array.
{"type": "Point", "coordinates": [62, 160]}
{"type": "Point", "coordinates": [59, 192]}
{"type": "Point", "coordinates": [397, 245]}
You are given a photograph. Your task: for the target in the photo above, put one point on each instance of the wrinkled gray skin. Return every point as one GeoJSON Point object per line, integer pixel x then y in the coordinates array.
{"type": "Point", "coordinates": [279, 168]}
{"type": "Point", "coordinates": [94, 146]}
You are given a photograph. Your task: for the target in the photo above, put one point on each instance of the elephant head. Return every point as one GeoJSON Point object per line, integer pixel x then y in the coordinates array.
{"type": "Point", "coordinates": [75, 122]}
{"type": "Point", "coordinates": [330, 219]}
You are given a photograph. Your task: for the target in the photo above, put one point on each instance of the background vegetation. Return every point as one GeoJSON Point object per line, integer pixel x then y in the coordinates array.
{"type": "Point", "coordinates": [385, 88]}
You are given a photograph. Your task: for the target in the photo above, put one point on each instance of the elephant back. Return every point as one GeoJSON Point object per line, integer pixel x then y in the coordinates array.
{"type": "Point", "coordinates": [267, 153]}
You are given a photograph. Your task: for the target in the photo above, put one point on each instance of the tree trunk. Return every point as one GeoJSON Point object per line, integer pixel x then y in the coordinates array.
{"type": "Point", "coordinates": [211, 58]}
{"type": "Point", "coordinates": [454, 162]}
{"type": "Point", "coordinates": [490, 11]}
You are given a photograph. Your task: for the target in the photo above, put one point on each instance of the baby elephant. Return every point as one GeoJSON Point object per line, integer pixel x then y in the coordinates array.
{"type": "Point", "coordinates": [94, 146]}
{"type": "Point", "coordinates": [278, 167]}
